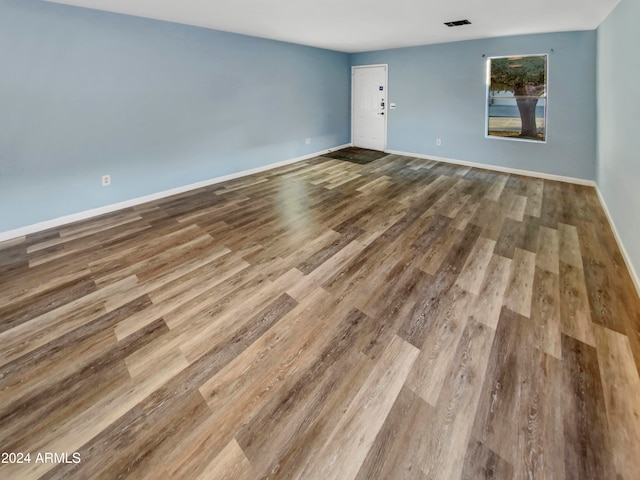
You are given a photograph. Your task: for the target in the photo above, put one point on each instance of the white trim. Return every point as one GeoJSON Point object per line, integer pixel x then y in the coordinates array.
{"type": "Point", "coordinates": [515, 139]}
{"type": "Point", "coordinates": [386, 103]}
{"type": "Point", "coordinates": [625, 255]}
{"type": "Point", "coordinates": [517, 171]}
{"type": "Point", "coordinates": [94, 212]}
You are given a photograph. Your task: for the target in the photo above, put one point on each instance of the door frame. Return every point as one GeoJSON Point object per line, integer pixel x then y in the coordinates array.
{"type": "Point", "coordinates": [386, 103]}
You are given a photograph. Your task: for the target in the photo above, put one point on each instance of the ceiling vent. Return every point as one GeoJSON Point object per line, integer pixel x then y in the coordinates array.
{"type": "Point", "coordinates": [457, 23]}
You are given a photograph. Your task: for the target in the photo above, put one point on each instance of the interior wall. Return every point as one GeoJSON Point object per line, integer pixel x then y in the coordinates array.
{"type": "Point", "coordinates": [619, 123]}
{"type": "Point", "coordinates": [156, 105]}
{"type": "Point", "coordinates": [440, 92]}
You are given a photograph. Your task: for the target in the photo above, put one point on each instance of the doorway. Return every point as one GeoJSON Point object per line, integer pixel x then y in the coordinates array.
{"type": "Point", "coordinates": [369, 106]}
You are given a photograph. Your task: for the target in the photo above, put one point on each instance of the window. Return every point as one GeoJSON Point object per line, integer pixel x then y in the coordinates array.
{"type": "Point", "coordinates": [517, 98]}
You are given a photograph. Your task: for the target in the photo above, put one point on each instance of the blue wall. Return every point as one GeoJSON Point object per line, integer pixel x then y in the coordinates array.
{"type": "Point", "coordinates": [440, 93]}
{"type": "Point", "coordinates": [619, 122]}
{"type": "Point", "coordinates": [156, 105]}
{"type": "Point", "coordinates": [159, 105]}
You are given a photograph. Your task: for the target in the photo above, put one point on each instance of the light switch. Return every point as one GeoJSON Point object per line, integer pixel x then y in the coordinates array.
{"type": "Point", "coordinates": [392, 106]}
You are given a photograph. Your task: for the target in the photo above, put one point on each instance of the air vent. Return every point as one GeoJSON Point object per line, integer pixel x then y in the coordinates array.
{"type": "Point", "coordinates": [457, 23]}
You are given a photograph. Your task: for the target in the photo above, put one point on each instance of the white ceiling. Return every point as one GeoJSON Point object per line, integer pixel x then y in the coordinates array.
{"type": "Point", "coordinates": [361, 25]}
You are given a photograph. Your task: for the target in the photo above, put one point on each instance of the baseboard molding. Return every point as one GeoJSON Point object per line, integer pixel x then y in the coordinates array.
{"type": "Point", "coordinates": [516, 171]}
{"type": "Point", "coordinates": [94, 212]}
{"type": "Point", "coordinates": [625, 255]}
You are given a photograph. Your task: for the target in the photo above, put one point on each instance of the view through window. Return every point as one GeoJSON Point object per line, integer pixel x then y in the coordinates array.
{"type": "Point", "coordinates": [517, 97]}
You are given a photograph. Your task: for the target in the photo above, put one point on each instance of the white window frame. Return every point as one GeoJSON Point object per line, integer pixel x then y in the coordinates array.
{"type": "Point", "coordinates": [545, 96]}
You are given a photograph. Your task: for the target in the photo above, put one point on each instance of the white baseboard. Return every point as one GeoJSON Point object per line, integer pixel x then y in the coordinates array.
{"type": "Point", "coordinates": [625, 255]}
{"type": "Point", "coordinates": [94, 212]}
{"type": "Point", "coordinates": [516, 171]}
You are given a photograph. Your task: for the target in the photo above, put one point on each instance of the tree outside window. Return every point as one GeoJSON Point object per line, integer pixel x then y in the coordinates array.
{"type": "Point", "coordinates": [517, 97]}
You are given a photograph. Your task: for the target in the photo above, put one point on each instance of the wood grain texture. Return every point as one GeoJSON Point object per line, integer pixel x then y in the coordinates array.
{"type": "Point", "coordinates": [483, 463]}
{"type": "Point", "coordinates": [346, 448]}
{"type": "Point", "coordinates": [588, 451]}
{"type": "Point", "coordinates": [519, 413]}
{"type": "Point", "coordinates": [395, 319]}
{"type": "Point", "coordinates": [621, 388]}
{"type": "Point", "coordinates": [399, 446]}
{"type": "Point", "coordinates": [518, 295]}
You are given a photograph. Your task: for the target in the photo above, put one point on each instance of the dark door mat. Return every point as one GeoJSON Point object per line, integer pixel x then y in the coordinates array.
{"type": "Point", "coordinates": [356, 155]}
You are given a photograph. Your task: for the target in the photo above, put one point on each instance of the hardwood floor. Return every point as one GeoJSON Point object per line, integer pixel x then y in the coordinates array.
{"type": "Point", "coordinates": [403, 319]}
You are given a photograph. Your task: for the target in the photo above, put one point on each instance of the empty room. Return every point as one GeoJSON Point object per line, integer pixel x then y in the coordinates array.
{"type": "Point", "coordinates": [319, 240]}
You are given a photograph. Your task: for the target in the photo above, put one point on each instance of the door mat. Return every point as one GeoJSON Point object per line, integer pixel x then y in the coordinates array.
{"type": "Point", "coordinates": [356, 155]}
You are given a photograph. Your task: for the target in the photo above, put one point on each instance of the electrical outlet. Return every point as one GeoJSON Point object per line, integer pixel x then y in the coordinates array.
{"type": "Point", "coordinates": [307, 141]}
{"type": "Point", "coordinates": [438, 142]}
{"type": "Point", "coordinates": [106, 180]}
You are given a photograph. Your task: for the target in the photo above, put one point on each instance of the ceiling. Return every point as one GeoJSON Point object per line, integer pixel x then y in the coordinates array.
{"type": "Point", "coordinates": [362, 25]}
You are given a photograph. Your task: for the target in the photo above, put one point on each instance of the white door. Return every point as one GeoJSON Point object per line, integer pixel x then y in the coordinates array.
{"type": "Point", "coordinates": [369, 106]}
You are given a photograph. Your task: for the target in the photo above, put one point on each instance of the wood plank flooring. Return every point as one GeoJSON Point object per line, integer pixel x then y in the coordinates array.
{"type": "Point", "coordinates": [403, 319]}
